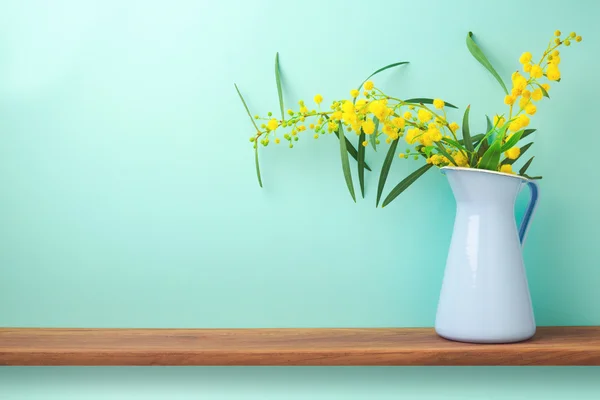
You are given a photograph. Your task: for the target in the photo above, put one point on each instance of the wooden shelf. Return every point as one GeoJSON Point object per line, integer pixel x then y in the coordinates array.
{"type": "Point", "coordinates": [393, 346]}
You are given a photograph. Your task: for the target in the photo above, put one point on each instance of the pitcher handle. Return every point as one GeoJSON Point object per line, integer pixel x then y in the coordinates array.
{"type": "Point", "coordinates": [533, 202]}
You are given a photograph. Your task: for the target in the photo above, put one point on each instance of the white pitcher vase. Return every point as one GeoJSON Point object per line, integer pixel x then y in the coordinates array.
{"type": "Point", "coordinates": [485, 297]}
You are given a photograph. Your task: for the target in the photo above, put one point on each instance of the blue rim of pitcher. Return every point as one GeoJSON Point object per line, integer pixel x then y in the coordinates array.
{"type": "Point", "coordinates": [443, 169]}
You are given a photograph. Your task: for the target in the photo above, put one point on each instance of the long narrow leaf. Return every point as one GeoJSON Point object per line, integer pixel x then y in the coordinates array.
{"type": "Point", "coordinates": [350, 147]}
{"type": "Point", "coordinates": [373, 136]}
{"type": "Point", "coordinates": [489, 127]}
{"type": "Point", "coordinates": [479, 56]}
{"type": "Point", "coordinates": [523, 150]}
{"type": "Point", "coordinates": [278, 81]}
{"type": "Point", "coordinates": [246, 107]}
{"type": "Point", "coordinates": [361, 163]}
{"type": "Point", "coordinates": [405, 183]}
{"type": "Point", "coordinates": [257, 165]}
{"type": "Point", "coordinates": [452, 142]}
{"type": "Point", "coordinates": [424, 100]}
{"type": "Point", "coordinates": [382, 69]}
{"type": "Point", "coordinates": [345, 162]}
{"type": "Point", "coordinates": [442, 150]}
{"type": "Point", "coordinates": [525, 166]}
{"type": "Point", "coordinates": [385, 169]}
{"type": "Point", "coordinates": [474, 139]}
{"type": "Point", "coordinates": [466, 132]}
{"type": "Point", "coordinates": [491, 157]}
{"type": "Point", "coordinates": [352, 151]}
{"type": "Point", "coordinates": [257, 130]}
{"type": "Point", "coordinates": [490, 133]}
{"type": "Point", "coordinates": [527, 133]}
{"type": "Point", "coordinates": [481, 148]}
{"type": "Point", "coordinates": [514, 139]}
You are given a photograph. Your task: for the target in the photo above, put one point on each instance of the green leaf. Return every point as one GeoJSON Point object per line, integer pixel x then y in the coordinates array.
{"type": "Point", "coordinates": [255, 144]}
{"type": "Point", "coordinates": [486, 143]}
{"type": "Point", "coordinates": [479, 56]}
{"type": "Point", "coordinates": [427, 150]}
{"type": "Point", "coordinates": [424, 100]}
{"type": "Point", "coordinates": [345, 162]}
{"type": "Point", "coordinates": [405, 183]}
{"type": "Point", "coordinates": [523, 150]}
{"type": "Point", "coordinates": [380, 70]}
{"type": "Point", "coordinates": [452, 142]}
{"type": "Point", "coordinates": [278, 81]}
{"type": "Point", "coordinates": [361, 163]}
{"type": "Point", "coordinates": [257, 165]}
{"type": "Point", "coordinates": [525, 166]}
{"type": "Point", "coordinates": [466, 132]}
{"type": "Point", "coordinates": [350, 147]}
{"type": "Point", "coordinates": [373, 136]}
{"type": "Point", "coordinates": [491, 157]}
{"type": "Point", "coordinates": [545, 93]}
{"type": "Point", "coordinates": [445, 153]}
{"type": "Point", "coordinates": [481, 148]}
{"type": "Point", "coordinates": [489, 127]}
{"type": "Point", "coordinates": [514, 139]}
{"type": "Point", "coordinates": [385, 169]}
{"type": "Point", "coordinates": [246, 107]}
{"type": "Point", "coordinates": [352, 151]}
{"type": "Point", "coordinates": [475, 139]}
{"type": "Point", "coordinates": [527, 133]}
{"type": "Point", "coordinates": [532, 177]}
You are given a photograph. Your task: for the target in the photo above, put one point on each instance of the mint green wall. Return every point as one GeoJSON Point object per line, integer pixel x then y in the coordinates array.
{"type": "Point", "coordinates": [128, 194]}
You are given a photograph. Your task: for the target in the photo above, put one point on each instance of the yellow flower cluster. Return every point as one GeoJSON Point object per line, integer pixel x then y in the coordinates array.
{"type": "Point", "coordinates": [376, 114]}
{"type": "Point", "coordinates": [424, 124]}
{"type": "Point", "coordinates": [527, 88]}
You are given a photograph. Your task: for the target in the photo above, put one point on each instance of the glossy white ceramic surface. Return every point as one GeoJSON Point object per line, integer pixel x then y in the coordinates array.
{"type": "Point", "coordinates": [485, 297]}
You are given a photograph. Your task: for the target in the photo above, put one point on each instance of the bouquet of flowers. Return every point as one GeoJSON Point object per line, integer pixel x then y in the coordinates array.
{"type": "Point", "coordinates": [421, 123]}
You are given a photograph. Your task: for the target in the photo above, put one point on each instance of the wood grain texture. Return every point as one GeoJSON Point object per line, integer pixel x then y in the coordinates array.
{"type": "Point", "coordinates": [325, 347]}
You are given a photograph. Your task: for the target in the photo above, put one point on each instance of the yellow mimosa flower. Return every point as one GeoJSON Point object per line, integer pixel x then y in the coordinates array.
{"type": "Point", "coordinates": [411, 135]}
{"type": "Point", "coordinates": [537, 94]}
{"type": "Point", "coordinates": [509, 99]}
{"type": "Point", "coordinates": [398, 122]}
{"type": "Point", "coordinates": [536, 71]}
{"type": "Point", "coordinates": [460, 159]}
{"type": "Point", "coordinates": [347, 107]}
{"type": "Point", "coordinates": [530, 109]}
{"type": "Point", "coordinates": [424, 115]}
{"type": "Point", "coordinates": [553, 72]}
{"type": "Point", "coordinates": [272, 124]}
{"type": "Point", "coordinates": [438, 103]}
{"type": "Point", "coordinates": [525, 58]}
{"type": "Point", "coordinates": [513, 153]}
{"type": "Point", "coordinates": [368, 126]}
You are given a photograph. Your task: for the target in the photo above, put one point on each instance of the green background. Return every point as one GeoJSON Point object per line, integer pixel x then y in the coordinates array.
{"type": "Point", "coordinates": [129, 198]}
